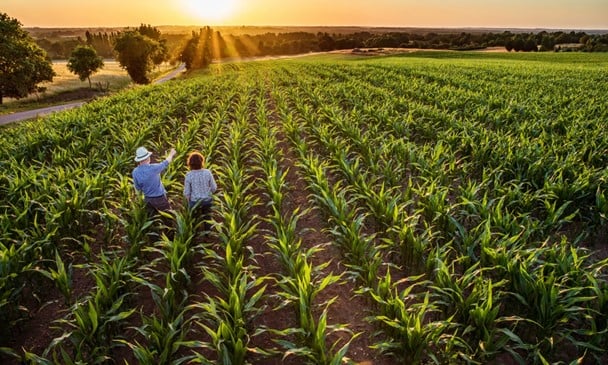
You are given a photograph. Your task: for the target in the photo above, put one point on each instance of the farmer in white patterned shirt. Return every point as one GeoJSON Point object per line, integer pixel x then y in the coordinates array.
{"type": "Point", "coordinates": [199, 187]}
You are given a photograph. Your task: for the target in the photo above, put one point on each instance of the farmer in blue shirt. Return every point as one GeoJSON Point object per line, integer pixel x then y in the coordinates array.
{"type": "Point", "coordinates": [146, 178]}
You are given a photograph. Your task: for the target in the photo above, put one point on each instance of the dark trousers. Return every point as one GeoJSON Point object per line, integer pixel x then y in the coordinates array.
{"type": "Point", "coordinates": [157, 204]}
{"type": "Point", "coordinates": [202, 210]}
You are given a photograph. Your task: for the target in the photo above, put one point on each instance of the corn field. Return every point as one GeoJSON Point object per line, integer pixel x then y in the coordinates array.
{"type": "Point", "coordinates": [428, 208]}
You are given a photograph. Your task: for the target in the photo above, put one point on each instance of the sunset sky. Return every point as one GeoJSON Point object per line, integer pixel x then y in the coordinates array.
{"type": "Point", "coordinates": [555, 14]}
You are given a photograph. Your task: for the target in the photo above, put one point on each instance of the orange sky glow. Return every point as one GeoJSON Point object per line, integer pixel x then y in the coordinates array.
{"type": "Point", "coordinates": [556, 14]}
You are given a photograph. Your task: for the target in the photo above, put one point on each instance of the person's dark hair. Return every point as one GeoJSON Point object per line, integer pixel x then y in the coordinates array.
{"type": "Point", "coordinates": [196, 161]}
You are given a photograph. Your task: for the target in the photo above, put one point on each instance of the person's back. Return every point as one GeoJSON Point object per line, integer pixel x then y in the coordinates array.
{"type": "Point", "coordinates": [146, 179]}
{"type": "Point", "coordinates": [199, 186]}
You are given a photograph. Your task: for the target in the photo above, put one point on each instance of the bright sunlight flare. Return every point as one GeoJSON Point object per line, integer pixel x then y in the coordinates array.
{"type": "Point", "coordinates": [211, 10]}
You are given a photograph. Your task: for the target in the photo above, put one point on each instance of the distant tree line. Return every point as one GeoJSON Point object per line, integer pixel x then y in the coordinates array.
{"type": "Point", "coordinates": [557, 41]}
{"type": "Point", "coordinates": [302, 42]}
{"type": "Point", "coordinates": [103, 43]}
{"type": "Point", "coordinates": [139, 50]}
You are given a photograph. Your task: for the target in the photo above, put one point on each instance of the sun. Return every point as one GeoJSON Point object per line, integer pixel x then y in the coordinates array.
{"type": "Point", "coordinates": [211, 10]}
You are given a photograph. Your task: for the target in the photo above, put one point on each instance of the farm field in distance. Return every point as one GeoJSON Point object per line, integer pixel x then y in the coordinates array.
{"type": "Point", "coordinates": [66, 86]}
{"type": "Point", "coordinates": [430, 207]}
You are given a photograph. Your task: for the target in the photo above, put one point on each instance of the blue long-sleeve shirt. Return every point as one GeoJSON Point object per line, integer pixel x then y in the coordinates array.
{"type": "Point", "coordinates": [146, 179]}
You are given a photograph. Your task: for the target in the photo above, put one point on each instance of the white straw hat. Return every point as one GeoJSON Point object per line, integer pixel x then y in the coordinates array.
{"type": "Point", "coordinates": [141, 154]}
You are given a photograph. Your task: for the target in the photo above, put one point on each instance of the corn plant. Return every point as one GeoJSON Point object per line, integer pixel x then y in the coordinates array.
{"type": "Point", "coordinates": [410, 158]}
{"type": "Point", "coordinates": [598, 329]}
{"type": "Point", "coordinates": [302, 281]}
{"type": "Point", "coordinates": [61, 276]}
{"type": "Point", "coordinates": [225, 317]}
{"type": "Point", "coordinates": [91, 336]}
{"type": "Point", "coordinates": [224, 320]}
{"type": "Point", "coordinates": [12, 281]}
{"type": "Point", "coordinates": [412, 336]}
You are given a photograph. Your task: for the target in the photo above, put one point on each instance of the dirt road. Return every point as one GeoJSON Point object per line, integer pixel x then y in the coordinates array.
{"type": "Point", "coordinates": [31, 114]}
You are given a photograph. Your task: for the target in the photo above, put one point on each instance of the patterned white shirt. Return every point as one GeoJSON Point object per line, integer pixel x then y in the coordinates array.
{"type": "Point", "coordinates": [199, 185]}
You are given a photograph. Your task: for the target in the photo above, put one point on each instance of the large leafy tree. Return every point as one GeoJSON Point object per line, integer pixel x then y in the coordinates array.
{"type": "Point", "coordinates": [84, 62]}
{"type": "Point", "coordinates": [162, 53]}
{"type": "Point", "coordinates": [138, 51]}
{"type": "Point", "coordinates": [23, 64]}
{"type": "Point", "coordinates": [197, 52]}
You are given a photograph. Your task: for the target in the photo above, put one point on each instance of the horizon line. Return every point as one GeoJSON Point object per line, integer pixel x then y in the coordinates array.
{"type": "Point", "coordinates": [323, 26]}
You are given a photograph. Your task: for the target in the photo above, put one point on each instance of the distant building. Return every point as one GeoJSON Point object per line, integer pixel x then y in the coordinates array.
{"type": "Point", "coordinates": [568, 47]}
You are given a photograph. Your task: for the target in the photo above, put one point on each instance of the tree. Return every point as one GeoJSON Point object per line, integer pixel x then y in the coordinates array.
{"type": "Point", "coordinates": [189, 51]}
{"type": "Point", "coordinates": [84, 62]}
{"type": "Point", "coordinates": [138, 53]}
{"type": "Point", "coordinates": [326, 42]}
{"type": "Point", "coordinates": [197, 53]}
{"type": "Point", "coordinates": [23, 64]}
{"type": "Point", "coordinates": [161, 54]}
{"type": "Point", "coordinates": [530, 45]}
{"type": "Point", "coordinates": [518, 43]}
{"type": "Point", "coordinates": [149, 31]}
{"type": "Point", "coordinates": [547, 43]}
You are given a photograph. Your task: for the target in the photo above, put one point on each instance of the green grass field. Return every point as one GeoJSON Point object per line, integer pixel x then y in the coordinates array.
{"type": "Point", "coordinates": [425, 208]}
{"type": "Point", "coordinates": [111, 73]}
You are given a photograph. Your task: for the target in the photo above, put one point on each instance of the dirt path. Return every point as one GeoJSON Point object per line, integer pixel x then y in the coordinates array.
{"type": "Point", "coordinates": [32, 114]}
{"type": "Point", "coordinates": [171, 75]}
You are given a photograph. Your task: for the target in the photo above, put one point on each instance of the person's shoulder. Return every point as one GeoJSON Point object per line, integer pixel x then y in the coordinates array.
{"type": "Point", "coordinates": [192, 173]}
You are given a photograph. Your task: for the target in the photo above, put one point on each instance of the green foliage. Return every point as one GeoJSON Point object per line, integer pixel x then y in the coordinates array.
{"type": "Point", "coordinates": [137, 52]}
{"type": "Point", "coordinates": [23, 64]}
{"type": "Point", "coordinates": [61, 276]}
{"type": "Point", "coordinates": [197, 52]}
{"type": "Point", "coordinates": [160, 55]}
{"type": "Point", "coordinates": [84, 62]}
{"type": "Point", "coordinates": [455, 192]}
